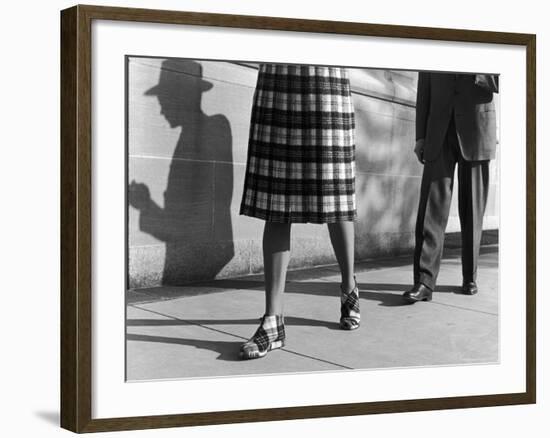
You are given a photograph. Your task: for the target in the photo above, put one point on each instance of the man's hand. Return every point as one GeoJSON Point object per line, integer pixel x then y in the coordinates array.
{"type": "Point", "coordinates": [138, 195]}
{"type": "Point", "coordinates": [419, 150]}
{"type": "Point", "coordinates": [487, 82]}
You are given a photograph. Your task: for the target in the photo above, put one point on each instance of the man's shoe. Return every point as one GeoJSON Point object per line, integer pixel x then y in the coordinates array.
{"type": "Point", "coordinates": [419, 292]}
{"type": "Point", "coordinates": [469, 288]}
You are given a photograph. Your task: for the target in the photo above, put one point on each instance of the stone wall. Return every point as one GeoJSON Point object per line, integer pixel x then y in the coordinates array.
{"type": "Point", "coordinates": [187, 142]}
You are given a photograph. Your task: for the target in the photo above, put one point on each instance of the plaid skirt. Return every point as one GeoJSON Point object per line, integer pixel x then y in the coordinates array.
{"type": "Point", "coordinates": [301, 149]}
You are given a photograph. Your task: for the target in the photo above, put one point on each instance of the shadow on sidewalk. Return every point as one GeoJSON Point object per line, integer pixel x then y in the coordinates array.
{"type": "Point", "coordinates": [382, 292]}
{"type": "Point", "coordinates": [289, 321]}
{"type": "Point", "coordinates": [388, 294]}
{"type": "Point", "coordinates": [227, 350]}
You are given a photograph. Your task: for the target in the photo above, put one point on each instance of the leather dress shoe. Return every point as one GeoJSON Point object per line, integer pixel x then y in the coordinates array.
{"type": "Point", "coordinates": [419, 292]}
{"type": "Point", "coordinates": [469, 288]}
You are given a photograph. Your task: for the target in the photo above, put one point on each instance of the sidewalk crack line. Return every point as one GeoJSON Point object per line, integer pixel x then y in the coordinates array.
{"type": "Point", "coordinates": [238, 336]}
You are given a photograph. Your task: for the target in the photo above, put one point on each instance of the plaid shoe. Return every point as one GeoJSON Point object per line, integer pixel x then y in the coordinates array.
{"type": "Point", "coordinates": [349, 309]}
{"type": "Point", "coordinates": [269, 336]}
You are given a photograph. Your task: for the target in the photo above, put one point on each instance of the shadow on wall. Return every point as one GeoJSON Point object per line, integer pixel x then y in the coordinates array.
{"type": "Point", "coordinates": [388, 174]}
{"type": "Point", "coordinates": [186, 222]}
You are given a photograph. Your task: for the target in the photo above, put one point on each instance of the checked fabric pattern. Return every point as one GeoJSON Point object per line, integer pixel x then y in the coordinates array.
{"type": "Point", "coordinates": [349, 310]}
{"type": "Point", "coordinates": [301, 150]}
{"type": "Point", "coordinates": [269, 335]}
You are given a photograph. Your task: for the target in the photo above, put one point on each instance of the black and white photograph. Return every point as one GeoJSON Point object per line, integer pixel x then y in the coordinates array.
{"type": "Point", "coordinates": [297, 218]}
{"type": "Point", "coordinates": [275, 219]}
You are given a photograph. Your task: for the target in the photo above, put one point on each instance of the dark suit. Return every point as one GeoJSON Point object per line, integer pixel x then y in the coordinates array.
{"type": "Point", "coordinates": [455, 116]}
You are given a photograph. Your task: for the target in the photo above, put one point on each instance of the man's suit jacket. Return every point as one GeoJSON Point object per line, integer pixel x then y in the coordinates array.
{"type": "Point", "coordinates": [466, 97]}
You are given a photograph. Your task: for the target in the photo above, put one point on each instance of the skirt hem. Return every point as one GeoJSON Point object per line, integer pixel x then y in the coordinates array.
{"type": "Point", "coordinates": [300, 219]}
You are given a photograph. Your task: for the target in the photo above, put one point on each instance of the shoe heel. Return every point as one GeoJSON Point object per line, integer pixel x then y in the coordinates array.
{"type": "Point", "coordinates": [276, 344]}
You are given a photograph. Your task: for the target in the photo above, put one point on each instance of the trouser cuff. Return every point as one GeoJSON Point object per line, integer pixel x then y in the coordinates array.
{"type": "Point", "coordinates": [427, 280]}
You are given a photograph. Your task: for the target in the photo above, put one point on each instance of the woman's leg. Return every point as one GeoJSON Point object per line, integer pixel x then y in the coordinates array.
{"type": "Point", "coordinates": [342, 238]}
{"type": "Point", "coordinates": [342, 235]}
{"type": "Point", "coordinates": [271, 333]}
{"type": "Point", "coordinates": [276, 248]}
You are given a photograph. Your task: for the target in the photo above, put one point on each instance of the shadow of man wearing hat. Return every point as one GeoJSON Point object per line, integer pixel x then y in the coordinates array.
{"type": "Point", "coordinates": [195, 222]}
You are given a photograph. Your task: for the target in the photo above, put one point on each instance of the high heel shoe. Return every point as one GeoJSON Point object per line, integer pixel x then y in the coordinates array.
{"type": "Point", "coordinates": [269, 336]}
{"type": "Point", "coordinates": [350, 317]}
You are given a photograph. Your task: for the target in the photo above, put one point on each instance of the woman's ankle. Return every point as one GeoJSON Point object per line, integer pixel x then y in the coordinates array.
{"type": "Point", "coordinates": [348, 284]}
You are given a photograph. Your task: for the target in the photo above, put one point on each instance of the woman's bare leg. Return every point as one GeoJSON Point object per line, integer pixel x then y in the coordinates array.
{"type": "Point", "coordinates": [342, 238]}
{"type": "Point", "coordinates": [276, 248]}
{"type": "Point", "coordinates": [342, 235]}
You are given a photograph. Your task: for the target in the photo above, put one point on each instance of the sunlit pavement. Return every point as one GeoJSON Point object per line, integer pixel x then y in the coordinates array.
{"type": "Point", "coordinates": [196, 330]}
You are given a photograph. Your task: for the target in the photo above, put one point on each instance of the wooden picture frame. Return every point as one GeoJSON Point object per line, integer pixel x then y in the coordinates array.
{"type": "Point", "coordinates": [76, 217]}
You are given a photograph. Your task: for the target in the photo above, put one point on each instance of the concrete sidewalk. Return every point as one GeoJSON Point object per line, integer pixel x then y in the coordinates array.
{"type": "Point", "coordinates": [196, 331]}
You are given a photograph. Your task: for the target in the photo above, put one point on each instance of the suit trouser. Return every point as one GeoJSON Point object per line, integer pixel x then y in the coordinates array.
{"type": "Point", "coordinates": [433, 210]}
